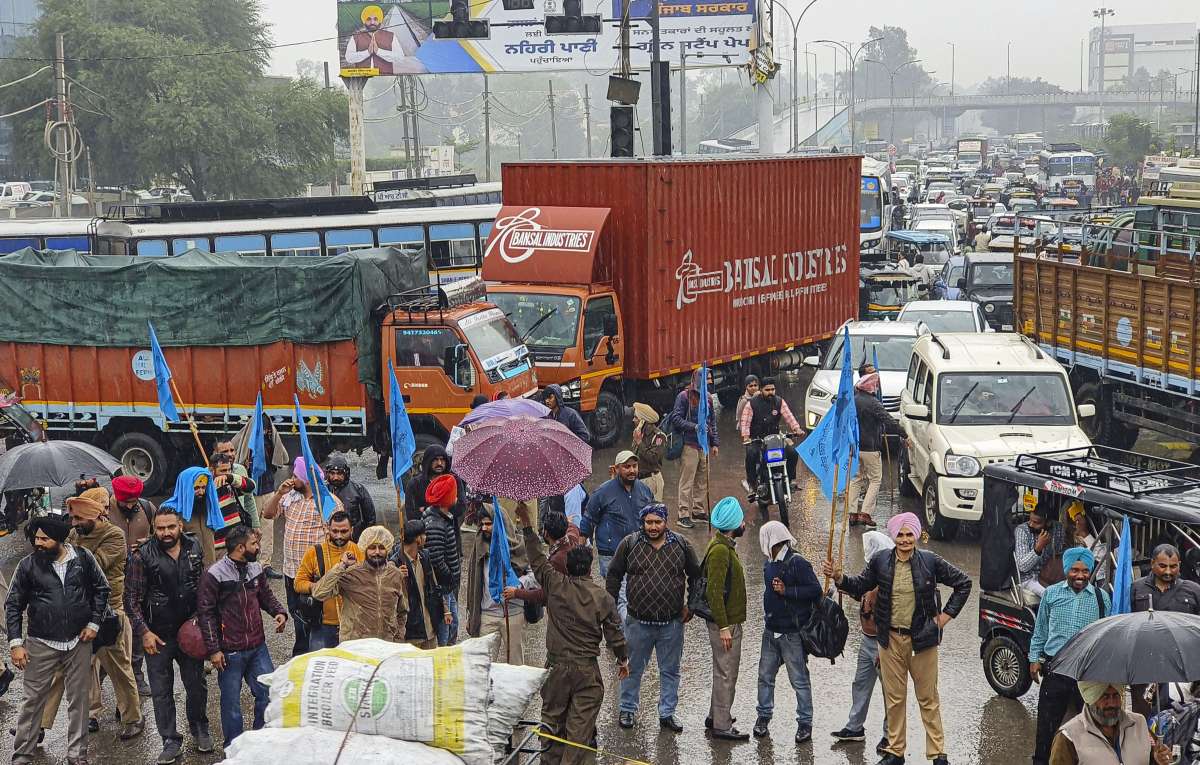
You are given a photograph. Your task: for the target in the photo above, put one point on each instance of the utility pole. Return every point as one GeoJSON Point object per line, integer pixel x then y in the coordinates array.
{"type": "Point", "coordinates": [416, 127]}
{"type": "Point", "coordinates": [1102, 14]}
{"type": "Point", "coordinates": [333, 181]}
{"type": "Point", "coordinates": [553, 124]}
{"type": "Point", "coordinates": [1196, 93]}
{"type": "Point", "coordinates": [402, 107]}
{"type": "Point", "coordinates": [358, 135]}
{"type": "Point", "coordinates": [682, 102]}
{"type": "Point", "coordinates": [587, 119]}
{"type": "Point", "coordinates": [487, 130]}
{"type": "Point", "coordinates": [62, 161]}
{"type": "Point", "coordinates": [953, 54]}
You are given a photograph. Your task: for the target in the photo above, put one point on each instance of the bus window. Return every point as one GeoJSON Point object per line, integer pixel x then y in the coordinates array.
{"type": "Point", "coordinates": [392, 235]}
{"type": "Point", "coordinates": [244, 244]}
{"type": "Point", "coordinates": [180, 246]}
{"type": "Point", "coordinates": [112, 246]}
{"type": "Point", "coordinates": [77, 243]}
{"type": "Point", "coordinates": [344, 240]}
{"type": "Point", "coordinates": [485, 230]}
{"type": "Point", "coordinates": [453, 246]}
{"type": "Point", "coordinates": [152, 248]}
{"type": "Point", "coordinates": [12, 244]}
{"type": "Point", "coordinates": [423, 347]}
{"type": "Point", "coordinates": [296, 243]}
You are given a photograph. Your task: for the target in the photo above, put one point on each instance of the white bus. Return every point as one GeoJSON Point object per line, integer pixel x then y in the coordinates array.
{"type": "Point", "coordinates": [875, 209]}
{"type": "Point", "coordinates": [1027, 144]}
{"type": "Point", "coordinates": [45, 234]}
{"type": "Point", "coordinates": [1066, 162]}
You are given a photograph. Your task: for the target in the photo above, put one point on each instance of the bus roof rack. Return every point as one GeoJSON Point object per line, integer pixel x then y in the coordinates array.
{"type": "Point", "coordinates": [242, 209]}
{"type": "Point", "coordinates": [427, 184]}
{"type": "Point", "coordinates": [1115, 470]}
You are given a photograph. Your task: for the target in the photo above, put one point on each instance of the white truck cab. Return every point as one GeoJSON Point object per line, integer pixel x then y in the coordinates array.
{"type": "Point", "coordinates": [972, 400]}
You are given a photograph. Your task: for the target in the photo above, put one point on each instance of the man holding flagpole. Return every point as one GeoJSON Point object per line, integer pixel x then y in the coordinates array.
{"type": "Point", "coordinates": [693, 417]}
{"type": "Point", "coordinates": [488, 611]}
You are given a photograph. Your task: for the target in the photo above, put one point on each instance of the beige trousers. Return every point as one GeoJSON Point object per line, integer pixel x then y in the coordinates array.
{"type": "Point", "coordinates": [116, 660]}
{"type": "Point", "coordinates": [896, 663]}
{"type": "Point", "coordinates": [490, 624]}
{"type": "Point", "coordinates": [870, 474]}
{"type": "Point", "coordinates": [656, 484]}
{"type": "Point", "coordinates": [44, 663]}
{"type": "Point", "coordinates": [724, 675]}
{"type": "Point", "coordinates": [693, 483]}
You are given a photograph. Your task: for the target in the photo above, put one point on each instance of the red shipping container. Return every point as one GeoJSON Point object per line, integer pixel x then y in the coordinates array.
{"type": "Point", "coordinates": [713, 260]}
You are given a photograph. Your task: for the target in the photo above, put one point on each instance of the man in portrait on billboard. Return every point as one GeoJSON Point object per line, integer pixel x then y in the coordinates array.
{"type": "Point", "coordinates": [391, 50]}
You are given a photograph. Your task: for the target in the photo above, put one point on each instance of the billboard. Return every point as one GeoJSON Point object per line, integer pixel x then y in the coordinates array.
{"type": "Point", "coordinates": [390, 38]}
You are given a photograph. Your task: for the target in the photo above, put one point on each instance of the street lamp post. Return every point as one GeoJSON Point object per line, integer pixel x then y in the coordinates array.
{"type": "Point", "coordinates": [892, 91]}
{"type": "Point", "coordinates": [795, 72]}
{"type": "Point", "coordinates": [953, 52]}
{"type": "Point", "coordinates": [852, 56]}
{"type": "Point", "coordinates": [1102, 14]}
{"type": "Point", "coordinates": [816, 86]}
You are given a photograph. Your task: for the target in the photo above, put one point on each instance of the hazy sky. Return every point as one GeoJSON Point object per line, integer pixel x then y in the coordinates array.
{"type": "Point", "coordinates": [1045, 34]}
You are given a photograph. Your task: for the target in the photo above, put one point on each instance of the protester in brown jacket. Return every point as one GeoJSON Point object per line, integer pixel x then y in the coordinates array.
{"type": "Point", "coordinates": [129, 512]}
{"type": "Point", "coordinates": [374, 594]}
{"type": "Point", "coordinates": [868, 653]}
{"type": "Point", "coordinates": [581, 614]}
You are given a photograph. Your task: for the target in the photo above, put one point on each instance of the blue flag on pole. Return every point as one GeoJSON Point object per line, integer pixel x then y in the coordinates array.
{"type": "Point", "coordinates": [258, 443]}
{"type": "Point", "coordinates": [835, 439]}
{"type": "Point", "coordinates": [404, 443]}
{"type": "Point", "coordinates": [162, 379]}
{"type": "Point", "coordinates": [702, 410]}
{"type": "Point", "coordinates": [1122, 594]}
{"type": "Point", "coordinates": [875, 363]}
{"type": "Point", "coordinates": [500, 571]}
{"type": "Point", "coordinates": [316, 482]}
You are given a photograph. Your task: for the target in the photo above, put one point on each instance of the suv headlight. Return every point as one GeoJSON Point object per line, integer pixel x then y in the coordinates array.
{"type": "Point", "coordinates": [961, 465]}
{"type": "Point", "coordinates": [819, 394]}
{"type": "Point", "coordinates": [989, 307]}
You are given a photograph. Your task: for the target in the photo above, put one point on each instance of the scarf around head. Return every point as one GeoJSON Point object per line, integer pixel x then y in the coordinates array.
{"type": "Point", "coordinates": [184, 498]}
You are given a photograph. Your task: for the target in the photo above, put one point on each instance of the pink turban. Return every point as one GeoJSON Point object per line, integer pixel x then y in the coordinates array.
{"type": "Point", "coordinates": [900, 521]}
{"type": "Point", "coordinates": [300, 470]}
{"type": "Point", "coordinates": [868, 383]}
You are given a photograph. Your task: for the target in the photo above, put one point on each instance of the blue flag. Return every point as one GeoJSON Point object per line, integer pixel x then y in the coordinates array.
{"type": "Point", "coordinates": [875, 363]}
{"type": "Point", "coordinates": [702, 410]}
{"type": "Point", "coordinates": [500, 572]}
{"type": "Point", "coordinates": [257, 441]}
{"type": "Point", "coordinates": [321, 493]}
{"type": "Point", "coordinates": [835, 439]}
{"type": "Point", "coordinates": [404, 444]}
{"type": "Point", "coordinates": [1122, 594]}
{"type": "Point", "coordinates": [162, 379]}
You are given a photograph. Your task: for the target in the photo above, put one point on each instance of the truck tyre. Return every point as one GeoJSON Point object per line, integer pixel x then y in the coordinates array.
{"type": "Point", "coordinates": [142, 456]}
{"type": "Point", "coordinates": [1006, 667]}
{"type": "Point", "coordinates": [939, 526]}
{"type": "Point", "coordinates": [1103, 428]}
{"type": "Point", "coordinates": [904, 484]}
{"type": "Point", "coordinates": [606, 420]}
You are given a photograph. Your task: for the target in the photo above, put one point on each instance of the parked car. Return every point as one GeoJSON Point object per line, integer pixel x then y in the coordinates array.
{"type": "Point", "coordinates": [988, 280]}
{"type": "Point", "coordinates": [972, 400]}
{"type": "Point", "coordinates": [946, 315]}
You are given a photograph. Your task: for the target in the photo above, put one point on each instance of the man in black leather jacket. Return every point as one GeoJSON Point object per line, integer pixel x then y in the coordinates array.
{"type": "Point", "coordinates": [354, 496]}
{"type": "Point", "coordinates": [909, 619]}
{"type": "Point", "coordinates": [65, 595]}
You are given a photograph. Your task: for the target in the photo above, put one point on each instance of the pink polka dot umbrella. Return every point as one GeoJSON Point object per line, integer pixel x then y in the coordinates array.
{"type": "Point", "coordinates": [522, 458]}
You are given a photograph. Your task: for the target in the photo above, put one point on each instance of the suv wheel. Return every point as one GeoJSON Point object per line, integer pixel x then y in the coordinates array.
{"type": "Point", "coordinates": [939, 526]}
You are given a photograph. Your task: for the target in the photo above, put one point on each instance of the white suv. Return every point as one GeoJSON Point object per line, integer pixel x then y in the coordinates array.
{"type": "Point", "coordinates": [971, 400]}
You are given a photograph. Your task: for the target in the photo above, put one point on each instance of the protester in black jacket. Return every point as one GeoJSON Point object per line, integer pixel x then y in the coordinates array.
{"type": "Point", "coordinates": [443, 529]}
{"type": "Point", "coordinates": [426, 606]}
{"type": "Point", "coordinates": [356, 501]}
{"type": "Point", "coordinates": [873, 423]}
{"type": "Point", "coordinates": [560, 412]}
{"type": "Point", "coordinates": [909, 620]}
{"type": "Point", "coordinates": [64, 592]}
{"type": "Point", "coordinates": [434, 462]}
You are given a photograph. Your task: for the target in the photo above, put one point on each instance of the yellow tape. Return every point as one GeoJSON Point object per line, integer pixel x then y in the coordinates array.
{"type": "Point", "coordinates": [601, 752]}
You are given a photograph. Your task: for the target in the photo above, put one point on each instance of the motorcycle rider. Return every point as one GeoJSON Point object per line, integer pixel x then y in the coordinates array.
{"type": "Point", "coordinates": [354, 496]}
{"type": "Point", "coordinates": [761, 418]}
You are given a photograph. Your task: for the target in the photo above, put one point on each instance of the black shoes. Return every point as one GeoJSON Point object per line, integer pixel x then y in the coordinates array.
{"type": "Point", "coordinates": [204, 741]}
{"type": "Point", "coordinates": [891, 759]}
{"type": "Point", "coordinates": [671, 724]}
{"type": "Point", "coordinates": [761, 727]}
{"type": "Point", "coordinates": [685, 523]}
{"type": "Point", "coordinates": [733, 734]}
{"type": "Point", "coordinates": [625, 720]}
{"type": "Point", "coordinates": [93, 725]}
{"type": "Point", "coordinates": [272, 573]}
{"type": "Point", "coordinates": [846, 734]}
{"type": "Point", "coordinates": [803, 735]}
{"type": "Point", "coordinates": [708, 722]}
{"type": "Point", "coordinates": [941, 760]}
{"type": "Point", "coordinates": [882, 746]}
{"type": "Point", "coordinates": [170, 753]}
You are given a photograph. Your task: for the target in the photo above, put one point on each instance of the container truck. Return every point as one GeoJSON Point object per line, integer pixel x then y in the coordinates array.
{"type": "Point", "coordinates": [75, 358]}
{"type": "Point", "coordinates": [1120, 311]}
{"type": "Point", "coordinates": [971, 153]}
{"type": "Point", "coordinates": [625, 275]}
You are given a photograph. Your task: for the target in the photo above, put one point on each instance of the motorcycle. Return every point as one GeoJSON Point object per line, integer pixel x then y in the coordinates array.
{"type": "Point", "coordinates": [774, 487]}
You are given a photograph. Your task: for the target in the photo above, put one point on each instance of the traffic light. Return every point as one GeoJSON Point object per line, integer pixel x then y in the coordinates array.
{"type": "Point", "coordinates": [462, 27]}
{"type": "Point", "coordinates": [572, 22]}
{"type": "Point", "coordinates": [518, 5]}
{"type": "Point", "coordinates": [621, 126]}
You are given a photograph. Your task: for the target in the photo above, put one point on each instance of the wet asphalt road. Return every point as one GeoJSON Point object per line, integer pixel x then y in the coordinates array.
{"type": "Point", "coordinates": [980, 726]}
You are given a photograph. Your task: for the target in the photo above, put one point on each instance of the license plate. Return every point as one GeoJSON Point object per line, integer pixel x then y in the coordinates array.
{"type": "Point", "coordinates": [1006, 327]}
{"type": "Point", "coordinates": [774, 456]}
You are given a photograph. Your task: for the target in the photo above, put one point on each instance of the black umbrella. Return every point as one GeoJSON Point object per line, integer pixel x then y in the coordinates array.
{"type": "Point", "coordinates": [1143, 647]}
{"type": "Point", "coordinates": [52, 463]}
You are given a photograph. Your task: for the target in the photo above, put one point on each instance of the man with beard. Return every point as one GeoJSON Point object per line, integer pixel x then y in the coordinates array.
{"type": "Point", "coordinates": [660, 570]}
{"type": "Point", "coordinates": [761, 418]}
{"type": "Point", "coordinates": [65, 594]}
{"type": "Point", "coordinates": [726, 599]}
{"type": "Point", "coordinates": [161, 582]}
{"type": "Point", "coordinates": [435, 462]}
{"type": "Point", "coordinates": [133, 515]}
{"type": "Point", "coordinates": [374, 594]}
{"type": "Point", "coordinates": [1162, 590]}
{"type": "Point", "coordinates": [426, 607]}
{"type": "Point", "coordinates": [232, 592]}
{"type": "Point", "coordinates": [372, 46]}
{"type": "Point", "coordinates": [566, 415]}
{"type": "Point", "coordinates": [92, 531]}
{"type": "Point", "coordinates": [1105, 733]}
{"type": "Point", "coordinates": [355, 499]}
{"type": "Point", "coordinates": [484, 615]}
{"type": "Point", "coordinates": [324, 618]}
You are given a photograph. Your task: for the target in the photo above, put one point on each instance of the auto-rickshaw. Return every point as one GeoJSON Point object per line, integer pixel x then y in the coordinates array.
{"type": "Point", "coordinates": [1090, 491]}
{"type": "Point", "coordinates": [882, 292]}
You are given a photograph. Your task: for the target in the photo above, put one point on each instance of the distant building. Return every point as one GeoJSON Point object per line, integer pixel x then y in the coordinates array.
{"type": "Point", "coordinates": [1130, 47]}
{"type": "Point", "coordinates": [17, 18]}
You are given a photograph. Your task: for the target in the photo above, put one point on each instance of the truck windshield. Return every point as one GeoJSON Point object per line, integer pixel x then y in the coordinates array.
{"type": "Point", "coordinates": [992, 275]}
{"type": "Point", "coordinates": [1003, 399]}
{"type": "Point", "coordinates": [492, 336]}
{"type": "Point", "coordinates": [893, 351]}
{"type": "Point", "coordinates": [871, 209]}
{"type": "Point", "coordinates": [545, 321]}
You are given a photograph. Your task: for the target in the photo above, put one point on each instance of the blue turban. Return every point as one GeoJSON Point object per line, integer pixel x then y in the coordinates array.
{"type": "Point", "coordinates": [1074, 554]}
{"type": "Point", "coordinates": [184, 497]}
{"type": "Point", "coordinates": [727, 514]}
{"type": "Point", "coordinates": [654, 508]}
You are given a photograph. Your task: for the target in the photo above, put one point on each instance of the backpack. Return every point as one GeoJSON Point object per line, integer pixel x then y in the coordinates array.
{"type": "Point", "coordinates": [674, 436]}
{"type": "Point", "coordinates": [699, 601]}
{"type": "Point", "coordinates": [825, 634]}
